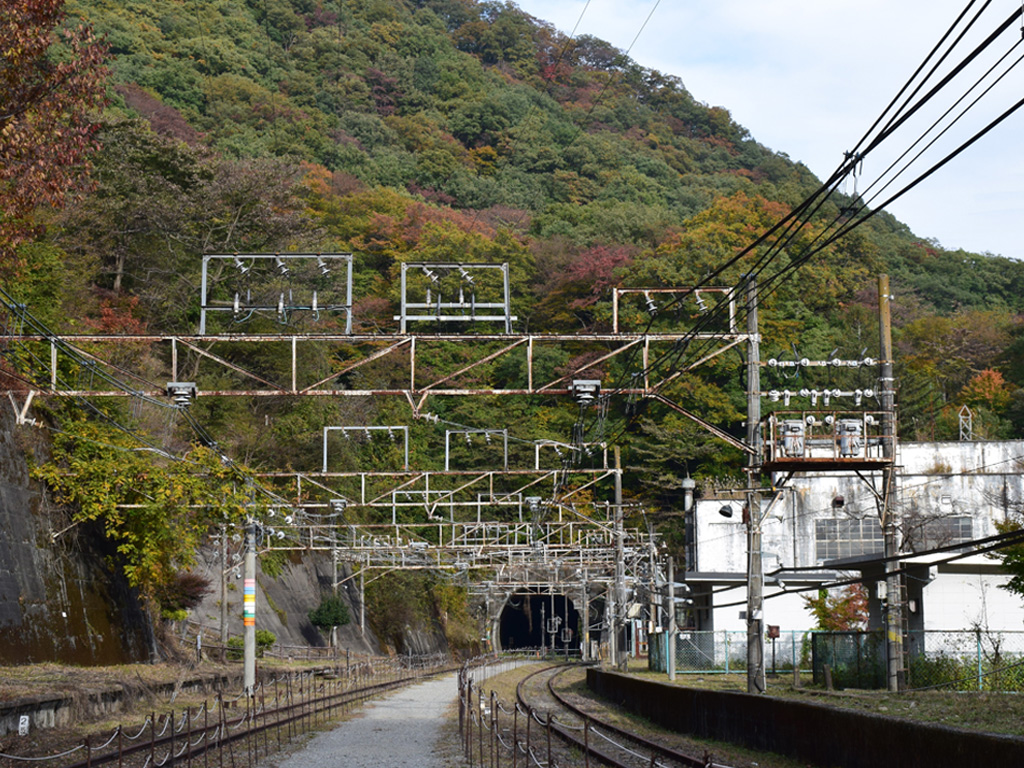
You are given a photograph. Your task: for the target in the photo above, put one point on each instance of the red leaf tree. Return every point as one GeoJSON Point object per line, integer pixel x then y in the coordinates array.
{"type": "Point", "coordinates": [51, 81]}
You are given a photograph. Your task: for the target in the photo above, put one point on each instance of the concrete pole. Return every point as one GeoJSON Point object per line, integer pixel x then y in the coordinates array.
{"type": "Point", "coordinates": [609, 610]}
{"type": "Point", "coordinates": [334, 583]}
{"type": "Point", "coordinates": [585, 648]}
{"type": "Point", "coordinates": [755, 570]}
{"type": "Point", "coordinates": [652, 595]}
{"type": "Point", "coordinates": [670, 645]}
{"type": "Point", "coordinates": [362, 602]}
{"type": "Point", "coordinates": [223, 586]}
{"type": "Point", "coordinates": [620, 660]}
{"type": "Point", "coordinates": [893, 591]}
{"type": "Point", "coordinates": [249, 607]}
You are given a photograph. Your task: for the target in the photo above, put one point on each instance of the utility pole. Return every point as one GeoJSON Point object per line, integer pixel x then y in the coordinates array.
{"type": "Point", "coordinates": [223, 586]}
{"type": "Point", "coordinates": [670, 645]}
{"type": "Point", "coordinates": [893, 590]}
{"type": "Point", "coordinates": [585, 647]}
{"type": "Point", "coordinates": [620, 570]}
{"type": "Point", "coordinates": [249, 606]}
{"type": "Point", "coordinates": [609, 609]}
{"type": "Point", "coordinates": [755, 569]}
{"type": "Point", "coordinates": [362, 602]}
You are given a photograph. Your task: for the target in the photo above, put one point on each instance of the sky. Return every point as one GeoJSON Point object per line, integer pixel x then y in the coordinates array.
{"type": "Point", "coordinates": [809, 79]}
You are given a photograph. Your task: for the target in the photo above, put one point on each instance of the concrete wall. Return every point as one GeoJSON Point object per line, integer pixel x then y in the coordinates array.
{"type": "Point", "coordinates": [938, 481]}
{"type": "Point", "coordinates": [818, 734]}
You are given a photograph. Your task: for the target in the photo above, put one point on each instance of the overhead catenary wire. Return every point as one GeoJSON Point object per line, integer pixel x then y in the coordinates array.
{"type": "Point", "coordinates": [783, 232]}
{"type": "Point", "coordinates": [1002, 542]}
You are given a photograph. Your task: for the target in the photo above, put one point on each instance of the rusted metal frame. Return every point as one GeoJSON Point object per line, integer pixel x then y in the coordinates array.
{"type": "Point", "coordinates": [101, 361]}
{"type": "Point", "coordinates": [382, 501]}
{"type": "Point", "coordinates": [419, 476]}
{"type": "Point", "coordinates": [592, 363]}
{"type": "Point", "coordinates": [705, 424]}
{"type": "Point", "coordinates": [488, 475]}
{"type": "Point", "coordinates": [710, 356]}
{"type": "Point", "coordinates": [375, 356]}
{"type": "Point", "coordinates": [607, 472]}
{"type": "Point", "coordinates": [227, 364]}
{"type": "Point", "coordinates": [471, 366]}
{"type": "Point", "coordinates": [363, 338]}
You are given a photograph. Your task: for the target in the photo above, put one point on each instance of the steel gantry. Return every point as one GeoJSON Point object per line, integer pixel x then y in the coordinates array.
{"type": "Point", "coordinates": [491, 523]}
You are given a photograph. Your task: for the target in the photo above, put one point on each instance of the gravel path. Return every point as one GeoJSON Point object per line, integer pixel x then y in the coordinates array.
{"type": "Point", "coordinates": [397, 731]}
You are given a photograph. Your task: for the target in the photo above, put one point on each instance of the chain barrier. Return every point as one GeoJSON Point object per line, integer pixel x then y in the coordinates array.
{"type": "Point", "coordinates": [193, 739]}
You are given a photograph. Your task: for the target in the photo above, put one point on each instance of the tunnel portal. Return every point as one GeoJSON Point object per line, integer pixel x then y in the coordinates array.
{"type": "Point", "coordinates": [520, 623]}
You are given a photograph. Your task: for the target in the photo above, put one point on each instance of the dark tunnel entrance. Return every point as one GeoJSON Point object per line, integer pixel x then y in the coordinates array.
{"type": "Point", "coordinates": [520, 623]}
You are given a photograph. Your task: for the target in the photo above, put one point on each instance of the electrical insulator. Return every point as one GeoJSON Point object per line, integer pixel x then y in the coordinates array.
{"type": "Point", "coordinates": [652, 308]}
{"type": "Point", "coordinates": [280, 265]}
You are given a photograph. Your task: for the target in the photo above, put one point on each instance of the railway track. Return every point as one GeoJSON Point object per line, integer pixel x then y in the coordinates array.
{"type": "Point", "coordinates": [587, 740]}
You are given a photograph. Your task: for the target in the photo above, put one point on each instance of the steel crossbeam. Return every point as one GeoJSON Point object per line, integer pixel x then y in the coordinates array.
{"type": "Point", "coordinates": [407, 360]}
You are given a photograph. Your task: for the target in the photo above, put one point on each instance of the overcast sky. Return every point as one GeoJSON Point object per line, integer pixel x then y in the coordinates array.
{"type": "Point", "coordinates": [809, 78]}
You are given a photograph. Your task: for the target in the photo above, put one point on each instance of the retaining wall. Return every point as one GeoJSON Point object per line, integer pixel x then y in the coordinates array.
{"type": "Point", "coordinates": [820, 735]}
{"type": "Point", "coordinates": [61, 711]}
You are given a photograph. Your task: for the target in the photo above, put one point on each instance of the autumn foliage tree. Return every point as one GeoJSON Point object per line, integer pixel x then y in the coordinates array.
{"type": "Point", "coordinates": [51, 80]}
{"type": "Point", "coordinates": [842, 612]}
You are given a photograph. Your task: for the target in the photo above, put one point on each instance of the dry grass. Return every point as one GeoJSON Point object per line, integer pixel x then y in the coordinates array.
{"type": "Point", "coordinates": [988, 712]}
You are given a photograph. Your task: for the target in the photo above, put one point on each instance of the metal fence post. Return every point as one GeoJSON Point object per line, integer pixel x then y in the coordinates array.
{"type": "Point", "coordinates": [548, 729]}
{"type": "Point", "coordinates": [515, 734]}
{"type": "Point", "coordinates": [480, 726]}
{"type": "Point", "coordinates": [980, 678]}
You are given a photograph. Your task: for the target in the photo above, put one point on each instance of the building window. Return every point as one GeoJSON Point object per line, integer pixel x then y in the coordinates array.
{"type": "Point", "coordinates": [839, 538]}
{"type": "Point", "coordinates": [942, 531]}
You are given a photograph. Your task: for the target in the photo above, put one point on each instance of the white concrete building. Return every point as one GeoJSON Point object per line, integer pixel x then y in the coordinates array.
{"type": "Point", "coordinates": [828, 524]}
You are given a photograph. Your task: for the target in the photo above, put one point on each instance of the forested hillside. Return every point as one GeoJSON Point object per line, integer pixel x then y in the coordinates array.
{"type": "Point", "coordinates": [439, 130]}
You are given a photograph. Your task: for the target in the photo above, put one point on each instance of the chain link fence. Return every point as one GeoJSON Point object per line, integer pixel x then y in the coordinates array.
{"type": "Point", "coordinates": [726, 651]}
{"type": "Point", "coordinates": [963, 660]}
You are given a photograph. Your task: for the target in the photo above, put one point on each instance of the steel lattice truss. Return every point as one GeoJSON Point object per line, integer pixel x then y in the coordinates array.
{"type": "Point", "coordinates": [459, 522]}
{"type": "Point", "coordinates": [491, 522]}
{"type": "Point", "coordinates": [98, 366]}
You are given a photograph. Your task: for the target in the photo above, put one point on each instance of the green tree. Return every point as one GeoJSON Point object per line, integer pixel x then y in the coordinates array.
{"type": "Point", "coordinates": [155, 511]}
{"type": "Point", "coordinates": [332, 612]}
{"type": "Point", "coordinates": [1012, 557]}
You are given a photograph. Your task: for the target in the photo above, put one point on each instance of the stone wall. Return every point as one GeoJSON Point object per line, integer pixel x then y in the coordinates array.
{"type": "Point", "coordinates": [58, 599]}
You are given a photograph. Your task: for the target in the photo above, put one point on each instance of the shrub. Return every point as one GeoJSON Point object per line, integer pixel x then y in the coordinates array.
{"type": "Point", "coordinates": [332, 612]}
{"type": "Point", "coordinates": [236, 645]}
